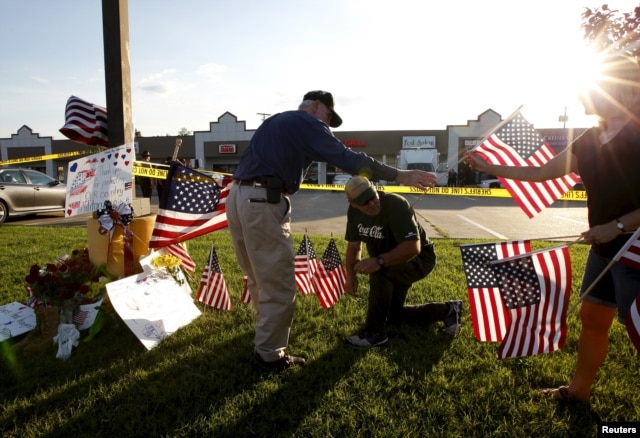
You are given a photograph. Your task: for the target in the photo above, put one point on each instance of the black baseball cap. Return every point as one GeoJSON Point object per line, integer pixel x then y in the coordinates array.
{"type": "Point", "coordinates": [326, 98]}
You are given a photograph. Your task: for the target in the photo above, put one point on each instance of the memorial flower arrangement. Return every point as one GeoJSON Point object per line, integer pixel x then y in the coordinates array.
{"type": "Point", "coordinates": [70, 280]}
{"type": "Point", "coordinates": [169, 264]}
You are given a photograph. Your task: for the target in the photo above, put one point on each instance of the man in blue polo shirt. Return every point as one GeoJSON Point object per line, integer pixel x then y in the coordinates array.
{"type": "Point", "coordinates": [259, 211]}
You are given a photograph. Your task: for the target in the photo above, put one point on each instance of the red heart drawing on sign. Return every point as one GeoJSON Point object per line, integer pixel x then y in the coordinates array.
{"type": "Point", "coordinates": [69, 212]}
{"type": "Point", "coordinates": [126, 163]}
{"type": "Point", "coordinates": [102, 160]}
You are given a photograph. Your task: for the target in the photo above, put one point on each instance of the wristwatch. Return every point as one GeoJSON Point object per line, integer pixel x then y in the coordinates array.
{"type": "Point", "coordinates": [381, 262]}
{"type": "Point", "coordinates": [620, 225]}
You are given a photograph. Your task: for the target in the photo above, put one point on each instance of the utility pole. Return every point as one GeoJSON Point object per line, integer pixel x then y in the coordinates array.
{"type": "Point", "coordinates": [264, 116]}
{"type": "Point", "coordinates": [115, 31]}
{"type": "Point", "coordinates": [564, 118]}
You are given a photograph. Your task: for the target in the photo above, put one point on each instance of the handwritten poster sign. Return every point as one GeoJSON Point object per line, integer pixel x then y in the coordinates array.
{"type": "Point", "coordinates": [105, 176]}
{"type": "Point", "coordinates": [152, 305]}
{"type": "Point", "coordinates": [16, 319]}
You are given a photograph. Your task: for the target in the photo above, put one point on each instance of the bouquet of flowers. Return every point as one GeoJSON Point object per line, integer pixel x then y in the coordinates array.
{"type": "Point", "coordinates": [71, 280]}
{"type": "Point", "coordinates": [169, 264]}
{"type": "Point", "coordinates": [56, 291]}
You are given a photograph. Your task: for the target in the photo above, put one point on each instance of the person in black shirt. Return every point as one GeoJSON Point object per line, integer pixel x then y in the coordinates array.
{"type": "Point", "coordinates": [146, 183]}
{"type": "Point", "coordinates": [400, 254]}
{"type": "Point", "coordinates": [607, 159]}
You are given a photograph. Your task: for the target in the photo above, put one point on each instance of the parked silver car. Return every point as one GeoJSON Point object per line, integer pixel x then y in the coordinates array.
{"type": "Point", "coordinates": [490, 184]}
{"type": "Point", "coordinates": [27, 191]}
{"type": "Point", "coordinates": [340, 179]}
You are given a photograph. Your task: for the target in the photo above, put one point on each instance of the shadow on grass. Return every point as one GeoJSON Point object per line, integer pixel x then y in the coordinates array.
{"type": "Point", "coordinates": [304, 391]}
{"type": "Point", "coordinates": [191, 384]}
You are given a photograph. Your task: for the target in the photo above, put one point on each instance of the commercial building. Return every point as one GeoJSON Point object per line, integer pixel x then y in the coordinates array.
{"type": "Point", "coordinates": [220, 147]}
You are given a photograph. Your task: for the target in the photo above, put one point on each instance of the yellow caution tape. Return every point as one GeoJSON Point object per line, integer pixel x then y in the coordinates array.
{"type": "Point", "coordinates": [47, 157]}
{"type": "Point", "coordinates": [572, 195]}
{"type": "Point", "coordinates": [161, 173]}
{"type": "Point", "coordinates": [149, 172]}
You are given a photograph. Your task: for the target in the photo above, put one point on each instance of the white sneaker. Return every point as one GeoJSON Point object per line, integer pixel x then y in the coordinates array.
{"type": "Point", "coordinates": [365, 340]}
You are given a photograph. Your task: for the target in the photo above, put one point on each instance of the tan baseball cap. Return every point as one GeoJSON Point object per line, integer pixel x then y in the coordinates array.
{"type": "Point", "coordinates": [359, 190]}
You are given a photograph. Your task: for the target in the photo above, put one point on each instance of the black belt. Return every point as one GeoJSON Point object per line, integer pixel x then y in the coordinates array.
{"type": "Point", "coordinates": [251, 182]}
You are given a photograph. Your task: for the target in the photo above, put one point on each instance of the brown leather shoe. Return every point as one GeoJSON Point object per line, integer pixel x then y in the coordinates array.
{"type": "Point", "coordinates": [283, 363]}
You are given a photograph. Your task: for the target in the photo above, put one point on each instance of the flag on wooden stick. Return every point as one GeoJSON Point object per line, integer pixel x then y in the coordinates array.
{"type": "Point", "coordinates": [517, 143]}
{"type": "Point", "coordinates": [535, 289]}
{"type": "Point", "coordinates": [632, 322]}
{"type": "Point", "coordinates": [330, 278]}
{"type": "Point", "coordinates": [180, 250]}
{"type": "Point", "coordinates": [629, 254]}
{"type": "Point", "coordinates": [213, 289]}
{"type": "Point", "coordinates": [306, 265]}
{"type": "Point", "coordinates": [488, 314]}
{"type": "Point", "coordinates": [192, 204]}
{"type": "Point", "coordinates": [246, 296]}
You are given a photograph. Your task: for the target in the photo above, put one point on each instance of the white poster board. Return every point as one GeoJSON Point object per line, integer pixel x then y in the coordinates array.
{"type": "Point", "coordinates": [16, 319]}
{"type": "Point", "coordinates": [105, 176]}
{"type": "Point", "coordinates": [152, 305]}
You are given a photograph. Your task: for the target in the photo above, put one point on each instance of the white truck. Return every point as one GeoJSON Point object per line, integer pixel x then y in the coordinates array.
{"type": "Point", "coordinates": [424, 158]}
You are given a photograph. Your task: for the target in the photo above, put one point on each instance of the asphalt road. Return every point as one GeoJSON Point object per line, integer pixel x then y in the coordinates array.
{"type": "Point", "coordinates": [464, 217]}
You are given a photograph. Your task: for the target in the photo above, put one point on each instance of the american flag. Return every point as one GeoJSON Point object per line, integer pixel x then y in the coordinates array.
{"type": "Point", "coordinates": [246, 296]}
{"type": "Point", "coordinates": [517, 143]}
{"type": "Point", "coordinates": [535, 290]}
{"type": "Point", "coordinates": [330, 278]}
{"type": "Point", "coordinates": [180, 251]}
{"type": "Point", "coordinates": [213, 289]}
{"type": "Point", "coordinates": [488, 314]}
{"type": "Point", "coordinates": [192, 204]}
{"type": "Point", "coordinates": [306, 265]}
{"type": "Point", "coordinates": [632, 321]}
{"type": "Point", "coordinates": [85, 122]}
{"type": "Point", "coordinates": [80, 316]}
{"type": "Point", "coordinates": [629, 254]}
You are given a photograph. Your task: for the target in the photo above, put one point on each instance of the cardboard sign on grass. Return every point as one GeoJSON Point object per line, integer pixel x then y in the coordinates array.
{"type": "Point", "coordinates": [153, 305]}
{"type": "Point", "coordinates": [16, 319]}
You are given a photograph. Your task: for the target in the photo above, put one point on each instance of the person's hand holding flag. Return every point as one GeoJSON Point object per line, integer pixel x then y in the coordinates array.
{"type": "Point", "coordinates": [521, 158]}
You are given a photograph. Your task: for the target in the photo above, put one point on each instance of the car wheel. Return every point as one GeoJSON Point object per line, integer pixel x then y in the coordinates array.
{"type": "Point", "coordinates": [494, 185]}
{"type": "Point", "coordinates": [4, 212]}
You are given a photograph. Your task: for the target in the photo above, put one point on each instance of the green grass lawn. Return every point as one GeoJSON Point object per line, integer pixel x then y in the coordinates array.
{"type": "Point", "coordinates": [199, 381]}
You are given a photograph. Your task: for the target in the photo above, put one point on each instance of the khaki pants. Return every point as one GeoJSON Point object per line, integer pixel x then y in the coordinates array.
{"type": "Point", "coordinates": [261, 234]}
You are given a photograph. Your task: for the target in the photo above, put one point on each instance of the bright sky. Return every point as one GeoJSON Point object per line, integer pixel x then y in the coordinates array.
{"type": "Point", "coordinates": [391, 65]}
